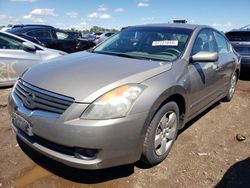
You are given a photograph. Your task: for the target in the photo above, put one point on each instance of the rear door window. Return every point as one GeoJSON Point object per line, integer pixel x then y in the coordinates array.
{"type": "Point", "coordinates": [204, 42]}
{"type": "Point", "coordinates": [222, 44]}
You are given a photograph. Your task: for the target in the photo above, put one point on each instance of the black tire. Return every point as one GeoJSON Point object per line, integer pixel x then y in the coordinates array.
{"type": "Point", "coordinates": [230, 95]}
{"type": "Point", "coordinates": [149, 154]}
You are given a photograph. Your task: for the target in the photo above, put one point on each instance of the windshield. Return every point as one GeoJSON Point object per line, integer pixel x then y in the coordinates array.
{"type": "Point", "coordinates": [153, 43]}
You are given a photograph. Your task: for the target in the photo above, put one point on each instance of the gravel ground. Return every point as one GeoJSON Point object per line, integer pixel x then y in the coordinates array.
{"type": "Point", "coordinates": [206, 154]}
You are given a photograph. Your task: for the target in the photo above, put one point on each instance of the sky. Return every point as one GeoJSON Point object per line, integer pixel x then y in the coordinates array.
{"type": "Point", "coordinates": [83, 14]}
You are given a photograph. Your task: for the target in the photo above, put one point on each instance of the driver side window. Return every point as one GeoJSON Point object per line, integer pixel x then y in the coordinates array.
{"type": "Point", "coordinates": [204, 42]}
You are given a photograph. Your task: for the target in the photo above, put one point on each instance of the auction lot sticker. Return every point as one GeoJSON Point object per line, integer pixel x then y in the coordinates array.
{"type": "Point", "coordinates": [165, 43]}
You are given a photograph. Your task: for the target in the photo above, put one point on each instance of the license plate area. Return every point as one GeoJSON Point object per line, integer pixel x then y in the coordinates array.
{"type": "Point", "coordinates": [23, 124]}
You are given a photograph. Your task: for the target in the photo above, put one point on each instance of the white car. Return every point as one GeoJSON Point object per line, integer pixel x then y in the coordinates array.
{"type": "Point", "coordinates": [103, 37]}
{"type": "Point", "coordinates": [18, 54]}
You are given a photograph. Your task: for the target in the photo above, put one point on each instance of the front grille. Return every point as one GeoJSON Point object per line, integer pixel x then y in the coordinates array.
{"type": "Point", "coordinates": [35, 98]}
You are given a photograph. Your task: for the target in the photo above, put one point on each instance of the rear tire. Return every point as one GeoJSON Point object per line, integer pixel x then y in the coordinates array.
{"type": "Point", "coordinates": [231, 88]}
{"type": "Point", "coordinates": [161, 134]}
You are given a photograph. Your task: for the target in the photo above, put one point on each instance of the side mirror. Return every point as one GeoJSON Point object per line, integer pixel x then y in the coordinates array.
{"type": "Point", "coordinates": [27, 46]}
{"type": "Point", "coordinates": [205, 57]}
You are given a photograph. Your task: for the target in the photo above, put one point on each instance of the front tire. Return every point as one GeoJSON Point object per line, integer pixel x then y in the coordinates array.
{"type": "Point", "coordinates": [161, 134]}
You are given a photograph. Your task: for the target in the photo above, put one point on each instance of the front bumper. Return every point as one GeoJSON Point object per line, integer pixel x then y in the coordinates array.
{"type": "Point", "coordinates": [117, 141]}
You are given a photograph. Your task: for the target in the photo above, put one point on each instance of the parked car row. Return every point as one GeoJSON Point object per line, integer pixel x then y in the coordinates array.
{"type": "Point", "coordinates": [25, 45]}
{"type": "Point", "coordinates": [51, 37]}
{"type": "Point", "coordinates": [44, 38]}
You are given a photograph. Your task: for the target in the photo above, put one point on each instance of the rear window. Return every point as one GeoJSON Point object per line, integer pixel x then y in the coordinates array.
{"type": "Point", "coordinates": [238, 36]}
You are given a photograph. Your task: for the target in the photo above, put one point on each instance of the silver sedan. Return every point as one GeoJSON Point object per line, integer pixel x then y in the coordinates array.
{"type": "Point", "coordinates": [18, 54]}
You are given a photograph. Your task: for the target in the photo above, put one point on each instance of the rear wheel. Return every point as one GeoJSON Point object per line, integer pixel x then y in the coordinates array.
{"type": "Point", "coordinates": [161, 134]}
{"type": "Point", "coordinates": [231, 88]}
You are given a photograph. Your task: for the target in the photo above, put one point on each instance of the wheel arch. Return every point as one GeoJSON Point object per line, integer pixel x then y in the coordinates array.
{"type": "Point", "coordinates": [238, 73]}
{"type": "Point", "coordinates": [176, 94]}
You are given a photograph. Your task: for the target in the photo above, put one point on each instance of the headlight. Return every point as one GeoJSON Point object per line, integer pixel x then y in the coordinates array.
{"type": "Point", "coordinates": [114, 104]}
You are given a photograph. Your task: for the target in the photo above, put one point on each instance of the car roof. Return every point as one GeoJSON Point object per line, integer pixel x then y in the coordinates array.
{"type": "Point", "coordinates": [31, 25]}
{"type": "Point", "coordinates": [25, 28]}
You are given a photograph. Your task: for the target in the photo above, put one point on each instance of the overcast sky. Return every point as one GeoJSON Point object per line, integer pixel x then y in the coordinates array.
{"type": "Point", "coordinates": [83, 14]}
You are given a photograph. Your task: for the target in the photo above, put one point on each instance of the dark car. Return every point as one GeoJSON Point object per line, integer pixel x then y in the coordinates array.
{"type": "Point", "coordinates": [125, 100]}
{"type": "Point", "coordinates": [74, 35]}
{"type": "Point", "coordinates": [240, 39]}
{"type": "Point", "coordinates": [51, 37]}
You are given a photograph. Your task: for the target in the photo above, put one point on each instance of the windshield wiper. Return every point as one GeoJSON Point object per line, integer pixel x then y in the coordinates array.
{"type": "Point", "coordinates": [124, 55]}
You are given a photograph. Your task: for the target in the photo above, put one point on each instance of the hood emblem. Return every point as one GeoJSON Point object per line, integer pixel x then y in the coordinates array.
{"type": "Point", "coordinates": [29, 101]}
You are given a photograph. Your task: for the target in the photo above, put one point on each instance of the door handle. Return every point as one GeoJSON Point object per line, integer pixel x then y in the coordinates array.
{"type": "Point", "coordinates": [218, 68]}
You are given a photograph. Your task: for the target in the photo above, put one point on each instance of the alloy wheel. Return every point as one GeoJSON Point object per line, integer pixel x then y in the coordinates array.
{"type": "Point", "coordinates": [165, 133]}
{"type": "Point", "coordinates": [232, 85]}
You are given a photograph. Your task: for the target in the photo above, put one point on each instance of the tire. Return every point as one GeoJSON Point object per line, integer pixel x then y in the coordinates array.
{"type": "Point", "coordinates": [231, 88]}
{"type": "Point", "coordinates": [161, 134]}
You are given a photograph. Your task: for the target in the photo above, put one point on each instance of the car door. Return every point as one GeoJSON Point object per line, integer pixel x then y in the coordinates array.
{"type": "Point", "coordinates": [13, 59]}
{"type": "Point", "coordinates": [226, 61]}
{"type": "Point", "coordinates": [203, 76]}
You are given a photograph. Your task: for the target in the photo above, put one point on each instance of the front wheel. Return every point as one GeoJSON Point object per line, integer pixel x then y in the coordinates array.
{"type": "Point", "coordinates": [161, 134]}
{"type": "Point", "coordinates": [231, 88]}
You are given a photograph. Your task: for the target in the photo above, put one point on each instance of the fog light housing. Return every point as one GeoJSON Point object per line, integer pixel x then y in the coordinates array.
{"type": "Point", "coordinates": [86, 154]}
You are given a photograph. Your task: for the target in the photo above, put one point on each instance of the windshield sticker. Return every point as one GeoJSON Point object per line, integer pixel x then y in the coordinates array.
{"type": "Point", "coordinates": [165, 43]}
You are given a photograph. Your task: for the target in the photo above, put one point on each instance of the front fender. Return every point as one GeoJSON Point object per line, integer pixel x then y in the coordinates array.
{"type": "Point", "coordinates": [165, 97]}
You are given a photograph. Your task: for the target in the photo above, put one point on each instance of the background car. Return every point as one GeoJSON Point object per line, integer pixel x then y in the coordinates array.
{"type": "Point", "coordinates": [98, 34]}
{"type": "Point", "coordinates": [127, 99]}
{"type": "Point", "coordinates": [51, 37]}
{"type": "Point", "coordinates": [74, 35]}
{"type": "Point", "coordinates": [90, 36]}
{"type": "Point", "coordinates": [18, 54]}
{"type": "Point", "coordinates": [5, 28]}
{"type": "Point", "coordinates": [103, 37]}
{"type": "Point", "coordinates": [240, 39]}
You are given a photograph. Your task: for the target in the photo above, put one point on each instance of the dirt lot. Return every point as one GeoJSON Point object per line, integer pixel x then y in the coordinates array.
{"type": "Point", "coordinates": [206, 154]}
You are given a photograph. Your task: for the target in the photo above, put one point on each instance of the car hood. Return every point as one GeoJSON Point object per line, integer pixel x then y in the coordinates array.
{"type": "Point", "coordinates": [86, 76]}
